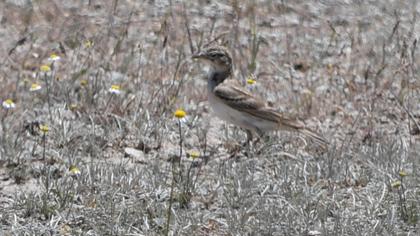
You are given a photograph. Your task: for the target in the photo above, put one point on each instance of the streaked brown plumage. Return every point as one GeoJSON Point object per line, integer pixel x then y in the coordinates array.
{"type": "Point", "coordinates": [233, 103]}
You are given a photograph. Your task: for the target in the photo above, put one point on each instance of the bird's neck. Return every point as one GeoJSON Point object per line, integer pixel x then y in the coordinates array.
{"type": "Point", "coordinates": [216, 77]}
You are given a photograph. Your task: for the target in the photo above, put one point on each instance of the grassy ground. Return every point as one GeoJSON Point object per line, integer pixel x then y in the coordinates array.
{"type": "Point", "coordinates": [96, 149]}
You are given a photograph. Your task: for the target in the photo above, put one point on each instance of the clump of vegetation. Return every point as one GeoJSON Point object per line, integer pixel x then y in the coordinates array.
{"type": "Point", "coordinates": [89, 144]}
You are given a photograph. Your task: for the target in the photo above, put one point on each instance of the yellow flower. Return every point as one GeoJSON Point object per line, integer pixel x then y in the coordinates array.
{"type": "Point", "coordinates": [44, 128]}
{"type": "Point", "coordinates": [180, 113]}
{"type": "Point", "coordinates": [83, 82]}
{"type": "Point", "coordinates": [396, 184]}
{"type": "Point", "coordinates": [402, 173]}
{"type": "Point", "coordinates": [251, 79]}
{"type": "Point", "coordinates": [65, 229]}
{"type": "Point", "coordinates": [8, 104]}
{"type": "Point", "coordinates": [194, 154]}
{"type": "Point", "coordinates": [45, 68]}
{"type": "Point", "coordinates": [115, 89]}
{"type": "Point", "coordinates": [74, 170]}
{"type": "Point", "coordinates": [35, 87]}
{"type": "Point", "coordinates": [88, 43]}
{"type": "Point", "coordinates": [330, 69]}
{"type": "Point", "coordinates": [307, 92]}
{"type": "Point", "coordinates": [73, 106]}
{"type": "Point", "coordinates": [54, 57]}
{"type": "Point", "coordinates": [26, 80]}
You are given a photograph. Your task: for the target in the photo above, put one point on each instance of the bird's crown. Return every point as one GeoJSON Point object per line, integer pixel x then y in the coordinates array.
{"type": "Point", "coordinates": [216, 54]}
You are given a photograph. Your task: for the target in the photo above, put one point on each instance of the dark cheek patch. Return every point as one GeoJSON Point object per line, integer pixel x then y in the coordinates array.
{"type": "Point", "coordinates": [224, 60]}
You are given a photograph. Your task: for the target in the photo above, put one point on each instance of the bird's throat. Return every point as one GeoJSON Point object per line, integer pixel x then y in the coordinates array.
{"type": "Point", "coordinates": [216, 77]}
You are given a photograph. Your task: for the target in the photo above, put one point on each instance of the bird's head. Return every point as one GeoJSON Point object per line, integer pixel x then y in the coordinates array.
{"type": "Point", "coordinates": [218, 58]}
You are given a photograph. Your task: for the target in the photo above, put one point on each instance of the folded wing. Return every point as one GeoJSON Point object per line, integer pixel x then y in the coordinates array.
{"type": "Point", "coordinates": [242, 100]}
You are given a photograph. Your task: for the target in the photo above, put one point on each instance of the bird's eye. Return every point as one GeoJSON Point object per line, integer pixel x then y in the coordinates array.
{"type": "Point", "coordinates": [215, 56]}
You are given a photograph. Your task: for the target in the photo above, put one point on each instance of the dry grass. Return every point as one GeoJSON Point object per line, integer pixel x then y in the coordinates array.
{"type": "Point", "coordinates": [348, 68]}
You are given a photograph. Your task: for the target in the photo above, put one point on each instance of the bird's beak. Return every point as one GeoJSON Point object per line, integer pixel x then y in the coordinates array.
{"type": "Point", "coordinates": [199, 55]}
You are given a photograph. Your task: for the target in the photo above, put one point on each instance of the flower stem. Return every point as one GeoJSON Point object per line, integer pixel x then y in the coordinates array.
{"type": "Point", "coordinates": [47, 85]}
{"type": "Point", "coordinates": [169, 213]}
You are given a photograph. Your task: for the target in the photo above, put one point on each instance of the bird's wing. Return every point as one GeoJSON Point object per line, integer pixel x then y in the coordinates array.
{"type": "Point", "coordinates": [237, 97]}
{"type": "Point", "coordinates": [242, 100]}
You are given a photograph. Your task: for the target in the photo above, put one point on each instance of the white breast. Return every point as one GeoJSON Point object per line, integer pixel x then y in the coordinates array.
{"type": "Point", "coordinates": [223, 111]}
{"type": "Point", "coordinates": [234, 116]}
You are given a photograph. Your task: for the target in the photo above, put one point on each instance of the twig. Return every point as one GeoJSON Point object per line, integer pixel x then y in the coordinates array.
{"type": "Point", "coordinates": [406, 110]}
{"type": "Point", "coordinates": [187, 26]}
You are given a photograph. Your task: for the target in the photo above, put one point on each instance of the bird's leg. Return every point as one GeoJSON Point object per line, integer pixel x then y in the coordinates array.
{"type": "Point", "coordinates": [250, 142]}
{"type": "Point", "coordinates": [260, 135]}
{"type": "Point", "coordinates": [248, 138]}
{"type": "Point", "coordinates": [257, 145]}
{"type": "Point", "coordinates": [247, 144]}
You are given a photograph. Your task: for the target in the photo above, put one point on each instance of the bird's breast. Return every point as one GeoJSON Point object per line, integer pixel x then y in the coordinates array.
{"type": "Point", "coordinates": [236, 117]}
{"type": "Point", "coordinates": [224, 111]}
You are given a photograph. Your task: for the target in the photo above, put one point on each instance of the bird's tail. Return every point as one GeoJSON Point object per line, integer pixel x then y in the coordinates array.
{"type": "Point", "coordinates": [296, 125]}
{"type": "Point", "coordinates": [316, 137]}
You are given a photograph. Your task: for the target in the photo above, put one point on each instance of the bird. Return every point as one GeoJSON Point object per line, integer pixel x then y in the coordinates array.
{"type": "Point", "coordinates": [233, 103]}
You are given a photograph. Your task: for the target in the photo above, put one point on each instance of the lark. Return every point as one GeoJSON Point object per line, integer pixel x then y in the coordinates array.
{"type": "Point", "coordinates": [235, 104]}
